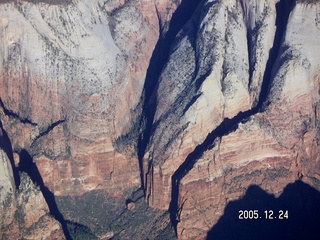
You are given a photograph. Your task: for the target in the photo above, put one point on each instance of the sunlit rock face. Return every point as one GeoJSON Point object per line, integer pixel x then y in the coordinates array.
{"type": "Point", "coordinates": [233, 57]}
{"type": "Point", "coordinates": [211, 75]}
{"type": "Point", "coordinates": [191, 102]}
{"type": "Point", "coordinates": [24, 213]}
{"type": "Point", "coordinates": [72, 75]}
{"type": "Point", "coordinates": [72, 72]}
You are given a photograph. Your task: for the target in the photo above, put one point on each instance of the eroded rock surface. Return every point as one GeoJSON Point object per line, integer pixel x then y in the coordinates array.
{"type": "Point", "coordinates": [237, 105]}
{"type": "Point", "coordinates": [71, 80]}
{"type": "Point", "coordinates": [24, 213]}
{"type": "Point", "coordinates": [72, 74]}
{"type": "Point", "coordinates": [191, 102]}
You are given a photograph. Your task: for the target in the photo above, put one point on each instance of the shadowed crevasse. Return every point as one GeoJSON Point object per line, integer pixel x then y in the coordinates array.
{"type": "Point", "coordinates": [228, 125]}
{"type": "Point", "coordinates": [295, 214]}
{"type": "Point", "coordinates": [11, 113]}
{"type": "Point", "coordinates": [158, 60]}
{"type": "Point", "coordinates": [27, 165]}
{"type": "Point", "coordinates": [48, 129]}
{"type": "Point", "coordinates": [6, 146]}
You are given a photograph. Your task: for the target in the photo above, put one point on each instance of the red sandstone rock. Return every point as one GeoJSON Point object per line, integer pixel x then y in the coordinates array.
{"type": "Point", "coordinates": [72, 79]}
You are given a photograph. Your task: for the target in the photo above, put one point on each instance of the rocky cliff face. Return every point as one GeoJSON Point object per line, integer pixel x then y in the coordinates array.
{"type": "Point", "coordinates": [236, 105]}
{"type": "Point", "coordinates": [71, 76]}
{"type": "Point", "coordinates": [24, 212]}
{"type": "Point", "coordinates": [190, 101]}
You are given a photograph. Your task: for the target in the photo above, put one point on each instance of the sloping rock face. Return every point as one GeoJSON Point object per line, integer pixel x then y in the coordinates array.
{"type": "Point", "coordinates": [71, 76]}
{"type": "Point", "coordinates": [24, 213]}
{"type": "Point", "coordinates": [189, 101]}
{"type": "Point", "coordinates": [71, 79]}
{"type": "Point", "coordinates": [237, 104]}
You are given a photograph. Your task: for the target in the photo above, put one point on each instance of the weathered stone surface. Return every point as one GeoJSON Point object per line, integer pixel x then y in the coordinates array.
{"type": "Point", "coordinates": [24, 213]}
{"type": "Point", "coordinates": [110, 96]}
{"type": "Point", "coordinates": [274, 148]}
{"type": "Point", "coordinates": [229, 43]}
{"type": "Point", "coordinates": [73, 75]}
{"type": "Point", "coordinates": [206, 80]}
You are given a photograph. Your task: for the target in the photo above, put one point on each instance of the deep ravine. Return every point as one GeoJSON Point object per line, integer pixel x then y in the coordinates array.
{"type": "Point", "coordinates": [283, 9]}
{"type": "Point", "coordinates": [158, 60]}
{"type": "Point", "coordinates": [10, 113]}
{"type": "Point", "coordinates": [27, 165]}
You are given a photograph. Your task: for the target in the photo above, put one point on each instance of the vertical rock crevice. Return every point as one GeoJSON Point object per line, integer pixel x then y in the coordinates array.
{"type": "Point", "coordinates": [14, 115]}
{"type": "Point", "coordinates": [48, 129]}
{"type": "Point", "coordinates": [158, 60]}
{"type": "Point", "coordinates": [27, 165]}
{"type": "Point", "coordinates": [6, 146]}
{"type": "Point", "coordinates": [283, 9]}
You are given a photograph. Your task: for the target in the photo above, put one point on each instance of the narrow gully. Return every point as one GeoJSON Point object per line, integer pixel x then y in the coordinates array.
{"type": "Point", "coordinates": [158, 60]}
{"type": "Point", "coordinates": [6, 146]}
{"type": "Point", "coordinates": [48, 129]}
{"type": "Point", "coordinates": [11, 113]}
{"type": "Point", "coordinates": [283, 9]}
{"type": "Point", "coordinates": [27, 165]}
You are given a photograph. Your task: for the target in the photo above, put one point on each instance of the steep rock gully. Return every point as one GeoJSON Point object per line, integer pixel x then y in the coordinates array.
{"type": "Point", "coordinates": [159, 58]}
{"type": "Point", "coordinates": [283, 9]}
{"type": "Point", "coordinates": [27, 165]}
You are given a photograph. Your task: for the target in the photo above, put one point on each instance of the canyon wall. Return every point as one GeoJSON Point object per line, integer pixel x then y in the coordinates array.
{"type": "Point", "coordinates": [71, 76]}
{"type": "Point", "coordinates": [237, 105]}
{"type": "Point", "coordinates": [71, 80]}
{"type": "Point", "coordinates": [24, 212]}
{"type": "Point", "coordinates": [183, 103]}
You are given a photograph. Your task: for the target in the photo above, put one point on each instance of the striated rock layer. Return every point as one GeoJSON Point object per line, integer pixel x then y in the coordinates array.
{"type": "Point", "coordinates": [190, 102]}
{"type": "Point", "coordinates": [71, 77]}
{"type": "Point", "coordinates": [237, 105]}
{"type": "Point", "coordinates": [24, 213]}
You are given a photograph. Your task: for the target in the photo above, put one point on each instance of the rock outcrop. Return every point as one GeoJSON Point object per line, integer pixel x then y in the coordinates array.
{"type": "Point", "coordinates": [71, 79]}
{"type": "Point", "coordinates": [236, 105]}
{"type": "Point", "coordinates": [24, 212]}
{"type": "Point", "coordinates": [191, 102]}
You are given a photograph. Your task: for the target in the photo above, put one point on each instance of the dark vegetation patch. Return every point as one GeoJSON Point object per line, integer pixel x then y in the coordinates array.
{"type": "Point", "coordinates": [92, 209]}
{"type": "Point", "coordinates": [98, 214]}
{"type": "Point", "coordinates": [142, 222]}
{"type": "Point", "coordinates": [80, 232]}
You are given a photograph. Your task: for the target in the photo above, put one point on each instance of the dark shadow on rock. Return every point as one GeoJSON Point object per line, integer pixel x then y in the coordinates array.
{"type": "Point", "coordinates": [228, 125]}
{"type": "Point", "coordinates": [283, 8]}
{"type": "Point", "coordinates": [157, 62]}
{"type": "Point", "coordinates": [27, 165]}
{"type": "Point", "coordinates": [6, 146]}
{"type": "Point", "coordinates": [301, 201]}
